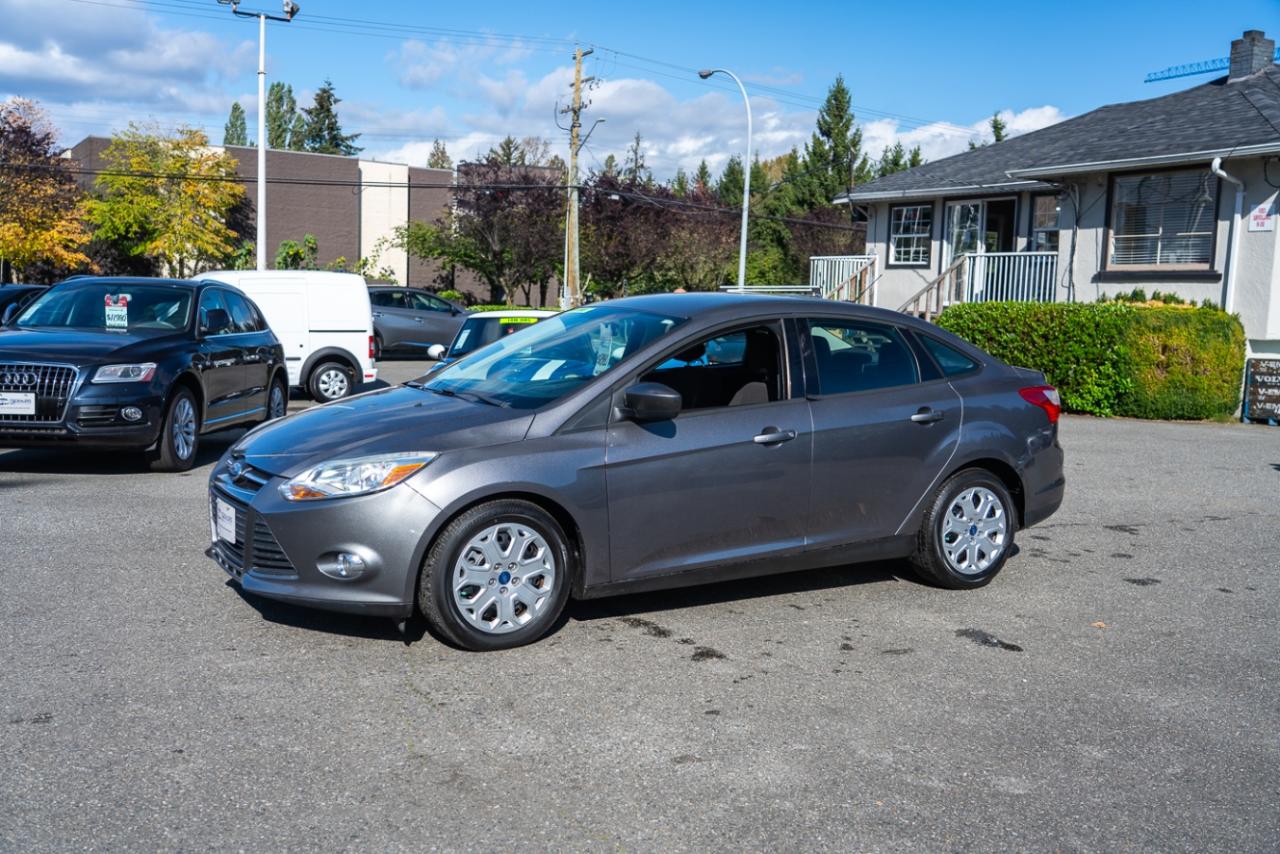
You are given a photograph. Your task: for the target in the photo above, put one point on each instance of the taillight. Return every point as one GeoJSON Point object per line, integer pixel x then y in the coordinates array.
{"type": "Point", "coordinates": [1046, 397]}
{"type": "Point", "coordinates": [372, 351]}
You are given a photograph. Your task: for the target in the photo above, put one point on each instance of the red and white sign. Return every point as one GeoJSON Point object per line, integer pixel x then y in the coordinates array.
{"type": "Point", "coordinates": [1260, 218]}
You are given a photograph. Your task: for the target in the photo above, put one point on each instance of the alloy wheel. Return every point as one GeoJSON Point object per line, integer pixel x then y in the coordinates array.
{"type": "Point", "coordinates": [504, 578]}
{"type": "Point", "coordinates": [975, 531]}
{"type": "Point", "coordinates": [183, 428]}
{"type": "Point", "coordinates": [277, 405]}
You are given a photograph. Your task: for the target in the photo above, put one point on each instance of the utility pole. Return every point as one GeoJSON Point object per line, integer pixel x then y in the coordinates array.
{"type": "Point", "coordinates": [260, 204]}
{"type": "Point", "coordinates": [571, 296]}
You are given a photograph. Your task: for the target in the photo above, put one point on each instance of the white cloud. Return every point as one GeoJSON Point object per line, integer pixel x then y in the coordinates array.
{"type": "Point", "coordinates": [423, 65]}
{"type": "Point", "coordinates": [943, 139]}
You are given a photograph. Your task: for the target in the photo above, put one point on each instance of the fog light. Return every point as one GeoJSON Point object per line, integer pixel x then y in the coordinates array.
{"type": "Point", "coordinates": [342, 566]}
{"type": "Point", "coordinates": [131, 413]}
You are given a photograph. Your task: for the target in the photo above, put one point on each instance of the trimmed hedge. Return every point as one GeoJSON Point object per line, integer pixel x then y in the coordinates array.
{"type": "Point", "coordinates": [1116, 359]}
{"type": "Point", "coordinates": [499, 307]}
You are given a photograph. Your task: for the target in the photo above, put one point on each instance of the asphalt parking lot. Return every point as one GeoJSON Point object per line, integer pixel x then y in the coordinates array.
{"type": "Point", "coordinates": [1117, 687]}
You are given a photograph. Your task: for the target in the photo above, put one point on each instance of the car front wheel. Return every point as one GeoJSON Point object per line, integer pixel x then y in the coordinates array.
{"type": "Point", "coordinates": [180, 434]}
{"type": "Point", "coordinates": [967, 533]}
{"type": "Point", "coordinates": [497, 577]}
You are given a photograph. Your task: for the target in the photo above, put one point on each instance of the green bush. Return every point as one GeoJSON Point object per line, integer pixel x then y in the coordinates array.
{"type": "Point", "coordinates": [499, 307]}
{"type": "Point", "coordinates": [1116, 358]}
{"type": "Point", "coordinates": [453, 296]}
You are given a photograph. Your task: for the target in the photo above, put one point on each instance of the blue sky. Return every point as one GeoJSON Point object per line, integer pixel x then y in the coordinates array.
{"type": "Point", "coordinates": [925, 73]}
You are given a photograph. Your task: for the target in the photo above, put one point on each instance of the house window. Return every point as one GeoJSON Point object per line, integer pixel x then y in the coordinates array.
{"type": "Point", "coordinates": [911, 235]}
{"type": "Point", "coordinates": [1044, 224]}
{"type": "Point", "coordinates": [1163, 219]}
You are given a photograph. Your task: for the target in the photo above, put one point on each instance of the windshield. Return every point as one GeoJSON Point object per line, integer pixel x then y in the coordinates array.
{"type": "Point", "coordinates": [110, 307]}
{"type": "Point", "coordinates": [479, 331]}
{"type": "Point", "coordinates": [555, 357]}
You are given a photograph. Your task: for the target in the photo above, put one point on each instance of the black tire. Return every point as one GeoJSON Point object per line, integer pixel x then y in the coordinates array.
{"type": "Point", "coordinates": [277, 398]}
{"type": "Point", "coordinates": [323, 384]}
{"type": "Point", "coordinates": [930, 559]}
{"type": "Point", "coordinates": [168, 454]}
{"type": "Point", "coordinates": [377, 348]}
{"type": "Point", "coordinates": [435, 594]}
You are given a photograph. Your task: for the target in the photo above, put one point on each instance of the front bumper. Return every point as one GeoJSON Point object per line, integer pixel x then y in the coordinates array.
{"type": "Point", "coordinates": [92, 417]}
{"type": "Point", "coordinates": [280, 545]}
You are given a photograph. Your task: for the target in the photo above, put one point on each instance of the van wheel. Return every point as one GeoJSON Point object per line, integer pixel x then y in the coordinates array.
{"type": "Point", "coordinates": [179, 435]}
{"type": "Point", "coordinates": [377, 348]}
{"type": "Point", "coordinates": [330, 381]}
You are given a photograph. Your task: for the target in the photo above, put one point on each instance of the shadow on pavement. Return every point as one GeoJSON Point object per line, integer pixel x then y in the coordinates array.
{"type": "Point", "coordinates": [70, 459]}
{"type": "Point", "coordinates": [332, 622]}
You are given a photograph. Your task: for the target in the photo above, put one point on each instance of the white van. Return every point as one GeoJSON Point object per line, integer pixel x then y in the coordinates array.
{"type": "Point", "coordinates": [323, 320]}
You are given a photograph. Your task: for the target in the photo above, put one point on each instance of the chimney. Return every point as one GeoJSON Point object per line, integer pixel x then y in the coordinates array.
{"type": "Point", "coordinates": [1251, 53]}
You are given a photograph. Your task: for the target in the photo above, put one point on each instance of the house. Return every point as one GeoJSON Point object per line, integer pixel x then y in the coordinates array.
{"type": "Point", "coordinates": [1175, 194]}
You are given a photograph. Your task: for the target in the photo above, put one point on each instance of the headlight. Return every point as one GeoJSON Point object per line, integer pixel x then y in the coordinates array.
{"type": "Point", "coordinates": [353, 476]}
{"type": "Point", "coordinates": [139, 373]}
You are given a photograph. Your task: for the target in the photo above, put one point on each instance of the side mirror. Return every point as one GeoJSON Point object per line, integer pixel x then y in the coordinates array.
{"type": "Point", "coordinates": [10, 312]}
{"type": "Point", "coordinates": [652, 402]}
{"type": "Point", "coordinates": [435, 352]}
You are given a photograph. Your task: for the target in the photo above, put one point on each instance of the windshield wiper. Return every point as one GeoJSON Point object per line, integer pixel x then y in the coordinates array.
{"type": "Point", "coordinates": [473, 396]}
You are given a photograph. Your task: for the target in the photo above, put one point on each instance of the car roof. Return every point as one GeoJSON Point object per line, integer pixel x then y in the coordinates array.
{"type": "Point", "coordinates": [136, 280]}
{"type": "Point", "coordinates": [515, 312]}
{"type": "Point", "coordinates": [726, 305]}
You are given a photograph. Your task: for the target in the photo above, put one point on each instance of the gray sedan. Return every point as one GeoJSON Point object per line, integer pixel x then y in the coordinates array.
{"type": "Point", "coordinates": [604, 450]}
{"type": "Point", "coordinates": [406, 320]}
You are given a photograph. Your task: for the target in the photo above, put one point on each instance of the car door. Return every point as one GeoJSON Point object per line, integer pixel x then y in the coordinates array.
{"type": "Point", "coordinates": [392, 318]}
{"type": "Point", "coordinates": [438, 320]}
{"type": "Point", "coordinates": [885, 425]}
{"type": "Point", "coordinates": [219, 359]}
{"type": "Point", "coordinates": [725, 481]}
{"type": "Point", "coordinates": [256, 347]}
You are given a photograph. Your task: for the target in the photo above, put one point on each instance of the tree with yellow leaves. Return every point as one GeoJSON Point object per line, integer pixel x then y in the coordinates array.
{"type": "Point", "coordinates": [167, 197]}
{"type": "Point", "coordinates": [41, 208]}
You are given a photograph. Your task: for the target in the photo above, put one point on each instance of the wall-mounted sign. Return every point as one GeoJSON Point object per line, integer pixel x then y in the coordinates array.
{"type": "Point", "coordinates": [1262, 390]}
{"type": "Point", "coordinates": [1260, 218]}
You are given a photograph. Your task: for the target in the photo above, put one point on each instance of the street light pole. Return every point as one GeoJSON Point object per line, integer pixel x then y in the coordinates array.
{"type": "Point", "coordinates": [746, 175]}
{"type": "Point", "coordinates": [260, 213]}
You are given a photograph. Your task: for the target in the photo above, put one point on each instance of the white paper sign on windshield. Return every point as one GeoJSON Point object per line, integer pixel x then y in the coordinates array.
{"type": "Point", "coordinates": [117, 311]}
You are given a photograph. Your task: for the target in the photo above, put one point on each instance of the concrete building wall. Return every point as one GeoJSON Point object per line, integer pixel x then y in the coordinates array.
{"type": "Point", "coordinates": [384, 207]}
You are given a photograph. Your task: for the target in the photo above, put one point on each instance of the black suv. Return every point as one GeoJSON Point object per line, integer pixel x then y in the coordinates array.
{"type": "Point", "coordinates": [137, 363]}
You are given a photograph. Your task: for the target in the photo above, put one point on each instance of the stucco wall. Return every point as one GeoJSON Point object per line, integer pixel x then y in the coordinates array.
{"type": "Point", "coordinates": [384, 206]}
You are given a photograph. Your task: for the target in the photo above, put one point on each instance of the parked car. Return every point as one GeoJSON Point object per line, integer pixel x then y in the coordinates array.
{"type": "Point", "coordinates": [600, 452]}
{"type": "Point", "coordinates": [408, 320]}
{"type": "Point", "coordinates": [323, 320]}
{"type": "Point", "coordinates": [13, 298]}
{"type": "Point", "coordinates": [485, 327]}
{"type": "Point", "coordinates": [146, 364]}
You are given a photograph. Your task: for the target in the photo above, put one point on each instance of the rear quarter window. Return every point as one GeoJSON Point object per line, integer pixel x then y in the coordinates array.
{"type": "Point", "coordinates": [951, 360]}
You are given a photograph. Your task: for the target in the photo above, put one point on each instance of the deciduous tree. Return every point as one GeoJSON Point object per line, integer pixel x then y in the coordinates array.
{"type": "Point", "coordinates": [439, 157]}
{"type": "Point", "coordinates": [236, 132]}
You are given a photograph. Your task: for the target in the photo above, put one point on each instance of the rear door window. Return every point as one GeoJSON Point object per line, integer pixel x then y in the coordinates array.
{"type": "Point", "coordinates": [243, 317]}
{"type": "Point", "coordinates": [854, 355]}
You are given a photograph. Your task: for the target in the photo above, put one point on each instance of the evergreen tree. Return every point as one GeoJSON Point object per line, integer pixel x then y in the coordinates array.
{"type": "Point", "coordinates": [282, 116]}
{"type": "Point", "coordinates": [635, 171]}
{"type": "Point", "coordinates": [236, 131]}
{"type": "Point", "coordinates": [892, 160]}
{"type": "Point", "coordinates": [702, 178]}
{"type": "Point", "coordinates": [834, 154]}
{"type": "Point", "coordinates": [999, 130]}
{"type": "Point", "coordinates": [439, 156]}
{"type": "Point", "coordinates": [298, 133]}
{"type": "Point", "coordinates": [680, 183]}
{"type": "Point", "coordinates": [610, 166]}
{"type": "Point", "coordinates": [324, 132]}
{"type": "Point", "coordinates": [915, 158]}
{"type": "Point", "coordinates": [729, 187]}
{"type": "Point", "coordinates": [506, 153]}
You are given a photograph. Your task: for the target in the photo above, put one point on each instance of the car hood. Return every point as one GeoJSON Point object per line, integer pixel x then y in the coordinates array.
{"type": "Point", "coordinates": [389, 420]}
{"type": "Point", "coordinates": [71, 346]}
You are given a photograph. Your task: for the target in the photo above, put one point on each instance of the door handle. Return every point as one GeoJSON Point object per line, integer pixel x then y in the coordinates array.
{"type": "Point", "coordinates": [377, 314]}
{"type": "Point", "coordinates": [774, 436]}
{"type": "Point", "coordinates": [417, 320]}
{"type": "Point", "coordinates": [927, 415]}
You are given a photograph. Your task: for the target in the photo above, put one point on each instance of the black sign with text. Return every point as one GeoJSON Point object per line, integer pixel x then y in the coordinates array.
{"type": "Point", "coordinates": [1262, 392]}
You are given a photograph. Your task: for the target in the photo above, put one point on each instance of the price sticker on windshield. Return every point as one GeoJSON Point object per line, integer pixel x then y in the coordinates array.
{"type": "Point", "coordinates": [117, 307]}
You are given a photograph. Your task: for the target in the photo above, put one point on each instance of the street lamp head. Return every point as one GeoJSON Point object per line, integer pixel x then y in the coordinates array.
{"type": "Point", "coordinates": [290, 9]}
{"type": "Point", "coordinates": [705, 73]}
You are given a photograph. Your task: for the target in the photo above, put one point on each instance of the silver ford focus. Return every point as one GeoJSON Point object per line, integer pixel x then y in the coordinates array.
{"type": "Point", "coordinates": [638, 444]}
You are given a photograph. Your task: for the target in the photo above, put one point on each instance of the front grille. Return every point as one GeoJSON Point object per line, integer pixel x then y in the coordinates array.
{"type": "Point", "coordinates": [259, 553]}
{"type": "Point", "coordinates": [52, 385]}
{"type": "Point", "coordinates": [96, 415]}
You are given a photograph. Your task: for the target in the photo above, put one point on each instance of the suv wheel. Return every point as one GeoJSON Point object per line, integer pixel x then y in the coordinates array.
{"type": "Point", "coordinates": [497, 577]}
{"type": "Point", "coordinates": [967, 533]}
{"type": "Point", "coordinates": [179, 435]}
{"type": "Point", "coordinates": [330, 381]}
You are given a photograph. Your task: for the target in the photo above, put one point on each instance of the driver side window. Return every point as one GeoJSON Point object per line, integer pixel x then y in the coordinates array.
{"type": "Point", "coordinates": [737, 368]}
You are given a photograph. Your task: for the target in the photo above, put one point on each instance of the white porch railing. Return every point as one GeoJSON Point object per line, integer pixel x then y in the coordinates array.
{"type": "Point", "coordinates": [1010, 276]}
{"type": "Point", "coordinates": [845, 277]}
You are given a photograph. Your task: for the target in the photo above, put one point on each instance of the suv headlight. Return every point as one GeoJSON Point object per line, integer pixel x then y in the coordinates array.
{"type": "Point", "coordinates": [354, 476]}
{"type": "Point", "coordinates": [139, 373]}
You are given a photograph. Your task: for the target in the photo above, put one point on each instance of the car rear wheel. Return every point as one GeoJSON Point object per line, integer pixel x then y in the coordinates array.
{"type": "Point", "coordinates": [180, 434]}
{"type": "Point", "coordinates": [497, 577]}
{"type": "Point", "coordinates": [330, 381]}
{"type": "Point", "coordinates": [277, 399]}
{"type": "Point", "coordinates": [967, 533]}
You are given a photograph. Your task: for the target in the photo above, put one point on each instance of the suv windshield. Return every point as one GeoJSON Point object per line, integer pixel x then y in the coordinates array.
{"type": "Point", "coordinates": [110, 307]}
{"type": "Point", "coordinates": [479, 331]}
{"type": "Point", "coordinates": [550, 359]}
